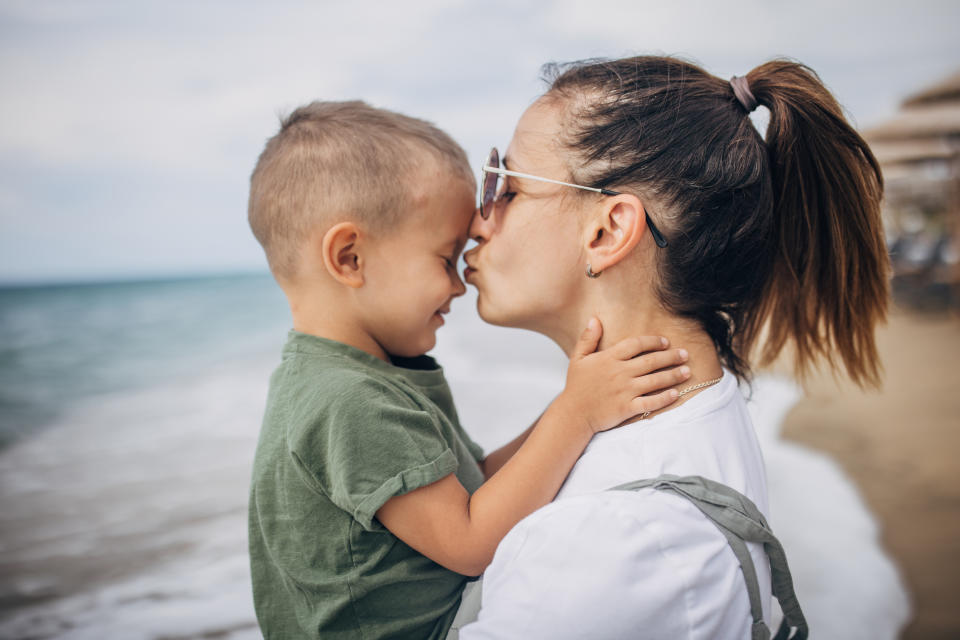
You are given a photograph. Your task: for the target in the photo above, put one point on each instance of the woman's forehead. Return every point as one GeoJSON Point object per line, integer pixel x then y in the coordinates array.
{"type": "Point", "coordinates": [534, 144]}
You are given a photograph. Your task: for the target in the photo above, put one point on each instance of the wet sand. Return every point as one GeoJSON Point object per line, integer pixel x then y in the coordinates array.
{"type": "Point", "coordinates": [900, 447]}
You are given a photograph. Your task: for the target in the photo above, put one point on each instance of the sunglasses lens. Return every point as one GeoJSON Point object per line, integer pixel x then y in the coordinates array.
{"type": "Point", "coordinates": [489, 189]}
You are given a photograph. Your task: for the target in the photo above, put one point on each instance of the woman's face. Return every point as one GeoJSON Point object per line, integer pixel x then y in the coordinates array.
{"type": "Point", "coordinates": [528, 264]}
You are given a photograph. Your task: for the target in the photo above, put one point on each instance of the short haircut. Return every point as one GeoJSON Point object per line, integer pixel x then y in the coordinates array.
{"type": "Point", "coordinates": [340, 160]}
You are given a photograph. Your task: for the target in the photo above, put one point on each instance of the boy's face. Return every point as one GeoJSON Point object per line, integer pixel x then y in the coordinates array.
{"type": "Point", "coordinates": [410, 277]}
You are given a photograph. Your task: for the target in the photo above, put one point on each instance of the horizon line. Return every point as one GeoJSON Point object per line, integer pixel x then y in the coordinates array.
{"type": "Point", "coordinates": [146, 277]}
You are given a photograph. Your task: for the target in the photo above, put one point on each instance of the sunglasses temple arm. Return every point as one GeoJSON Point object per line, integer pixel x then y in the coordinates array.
{"type": "Point", "coordinates": [517, 174]}
{"type": "Point", "coordinates": [657, 236]}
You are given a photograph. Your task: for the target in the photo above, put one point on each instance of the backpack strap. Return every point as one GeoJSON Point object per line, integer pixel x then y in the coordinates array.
{"type": "Point", "coordinates": [739, 520]}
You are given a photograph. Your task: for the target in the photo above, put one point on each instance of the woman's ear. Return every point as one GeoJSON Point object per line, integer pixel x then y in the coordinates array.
{"type": "Point", "coordinates": [614, 233]}
{"type": "Point", "coordinates": [340, 249]}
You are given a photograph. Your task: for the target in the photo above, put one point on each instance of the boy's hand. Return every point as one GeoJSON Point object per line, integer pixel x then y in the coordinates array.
{"type": "Point", "coordinates": [606, 388]}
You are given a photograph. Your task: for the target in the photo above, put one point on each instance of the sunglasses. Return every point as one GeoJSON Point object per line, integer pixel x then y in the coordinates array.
{"type": "Point", "coordinates": [490, 175]}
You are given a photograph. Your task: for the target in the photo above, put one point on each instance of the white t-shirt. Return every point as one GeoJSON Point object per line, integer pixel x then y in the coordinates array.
{"type": "Point", "coordinates": [637, 564]}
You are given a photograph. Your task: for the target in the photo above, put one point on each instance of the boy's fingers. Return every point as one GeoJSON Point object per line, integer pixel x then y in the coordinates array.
{"type": "Point", "coordinates": [651, 403]}
{"type": "Point", "coordinates": [632, 347]}
{"type": "Point", "coordinates": [589, 339]}
{"type": "Point", "coordinates": [655, 360]}
{"type": "Point", "coordinates": [661, 380]}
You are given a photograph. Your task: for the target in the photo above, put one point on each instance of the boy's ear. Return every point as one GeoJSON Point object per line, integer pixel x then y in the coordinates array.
{"type": "Point", "coordinates": [614, 233]}
{"type": "Point", "coordinates": [341, 255]}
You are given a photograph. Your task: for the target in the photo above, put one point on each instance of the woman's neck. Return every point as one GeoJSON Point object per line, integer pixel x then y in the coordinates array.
{"type": "Point", "coordinates": [622, 321]}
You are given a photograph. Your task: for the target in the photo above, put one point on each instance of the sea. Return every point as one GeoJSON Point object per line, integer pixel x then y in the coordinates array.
{"type": "Point", "coordinates": [129, 414]}
{"type": "Point", "coordinates": [61, 345]}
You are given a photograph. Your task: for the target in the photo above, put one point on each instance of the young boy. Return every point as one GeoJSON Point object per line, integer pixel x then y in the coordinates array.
{"type": "Point", "coordinates": [369, 504]}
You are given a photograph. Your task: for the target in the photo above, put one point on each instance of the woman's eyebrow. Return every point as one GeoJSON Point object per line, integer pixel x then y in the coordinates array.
{"type": "Point", "coordinates": [516, 184]}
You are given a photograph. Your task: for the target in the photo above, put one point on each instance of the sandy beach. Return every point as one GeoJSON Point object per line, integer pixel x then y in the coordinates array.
{"type": "Point", "coordinates": [900, 447]}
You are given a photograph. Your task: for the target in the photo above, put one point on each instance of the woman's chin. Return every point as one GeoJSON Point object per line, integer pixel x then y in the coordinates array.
{"type": "Point", "coordinates": [498, 316]}
{"type": "Point", "coordinates": [489, 313]}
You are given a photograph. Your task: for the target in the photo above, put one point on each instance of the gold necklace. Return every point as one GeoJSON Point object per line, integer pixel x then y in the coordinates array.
{"type": "Point", "coordinates": [688, 390]}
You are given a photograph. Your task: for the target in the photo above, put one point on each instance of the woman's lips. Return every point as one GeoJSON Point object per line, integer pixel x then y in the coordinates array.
{"type": "Point", "coordinates": [469, 258]}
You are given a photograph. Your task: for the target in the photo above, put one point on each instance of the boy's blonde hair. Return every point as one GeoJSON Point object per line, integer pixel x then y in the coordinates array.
{"type": "Point", "coordinates": [343, 160]}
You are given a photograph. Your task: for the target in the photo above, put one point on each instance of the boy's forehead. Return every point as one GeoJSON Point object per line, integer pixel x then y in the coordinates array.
{"type": "Point", "coordinates": [442, 189]}
{"type": "Point", "coordinates": [441, 197]}
{"type": "Point", "coordinates": [447, 214]}
{"type": "Point", "coordinates": [442, 218]}
{"type": "Point", "coordinates": [430, 175]}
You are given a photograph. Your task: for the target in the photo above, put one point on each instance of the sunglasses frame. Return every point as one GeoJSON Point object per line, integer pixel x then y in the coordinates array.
{"type": "Point", "coordinates": [487, 204]}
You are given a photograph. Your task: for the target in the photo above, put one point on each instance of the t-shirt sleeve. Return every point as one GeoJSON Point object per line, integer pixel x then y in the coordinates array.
{"type": "Point", "coordinates": [368, 443]}
{"type": "Point", "coordinates": [475, 450]}
{"type": "Point", "coordinates": [444, 400]}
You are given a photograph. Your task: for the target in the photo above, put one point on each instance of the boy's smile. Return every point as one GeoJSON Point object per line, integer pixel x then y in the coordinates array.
{"type": "Point", "coordinates": [410, 276]}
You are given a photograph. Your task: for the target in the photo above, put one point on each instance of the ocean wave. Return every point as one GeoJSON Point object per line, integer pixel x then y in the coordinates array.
{"type": "Point", "coordinates": [126, 516]}
{"type": "Point", "coordinates": [127, 519]}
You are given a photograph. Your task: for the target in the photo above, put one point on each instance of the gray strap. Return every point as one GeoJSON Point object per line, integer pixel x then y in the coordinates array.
{"type": "Point", "coordinates": [739, 520]}
{"type": "Point", "coordinates": [759, 630]}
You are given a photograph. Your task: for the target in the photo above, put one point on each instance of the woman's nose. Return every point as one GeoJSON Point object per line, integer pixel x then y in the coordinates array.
{"type": "Point", "coordinates": [481, 229]}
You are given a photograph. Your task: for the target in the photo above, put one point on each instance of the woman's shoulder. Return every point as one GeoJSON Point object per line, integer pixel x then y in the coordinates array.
{"type": "Point", "coordinates": [714, 411]}
{"type": "Point", "coordinates": [642, 557]}
{"type": "Point", "coordinates": [656, 530]}
{"type": "Point", "coordinates": [713, 438]}
{"type": "Point", "coordinates": [618, 512]}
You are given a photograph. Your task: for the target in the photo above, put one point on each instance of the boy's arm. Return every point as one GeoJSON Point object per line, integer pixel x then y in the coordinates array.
{"type": "Point", "coordinates": [461, 532]}
{"type": "Point", "coordinates": [496, 459]}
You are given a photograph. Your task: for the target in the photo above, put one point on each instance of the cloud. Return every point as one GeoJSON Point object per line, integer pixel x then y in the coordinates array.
{"type": "Point", "coordinates": [178, 98]}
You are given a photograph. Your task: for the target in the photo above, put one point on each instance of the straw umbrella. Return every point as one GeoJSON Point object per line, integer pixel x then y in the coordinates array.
{"type": "Point", "coordinates": [919, 152]}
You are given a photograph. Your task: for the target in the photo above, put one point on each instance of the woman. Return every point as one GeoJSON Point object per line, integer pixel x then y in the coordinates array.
{"type": "Point", "coordinates": [639, 190]}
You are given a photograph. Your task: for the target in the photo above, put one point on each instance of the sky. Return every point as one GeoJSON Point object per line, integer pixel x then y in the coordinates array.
{"type": "Point", "coordinates": [128, 130]}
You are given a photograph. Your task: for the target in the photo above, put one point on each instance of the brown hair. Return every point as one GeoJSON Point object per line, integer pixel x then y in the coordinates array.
{"type": "Point", "coordinates": [339, 158]}
{"type": "Point", "coordinates": [782, 236]}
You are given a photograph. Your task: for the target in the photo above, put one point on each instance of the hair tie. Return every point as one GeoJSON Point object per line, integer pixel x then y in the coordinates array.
{"type": "Point", "coordinates": [741, 89]}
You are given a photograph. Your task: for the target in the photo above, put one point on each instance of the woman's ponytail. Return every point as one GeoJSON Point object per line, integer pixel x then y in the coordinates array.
{"type": "Point", "coordinates": [829, 283]}
{"type": "Point", "coordinates": [779, 241]}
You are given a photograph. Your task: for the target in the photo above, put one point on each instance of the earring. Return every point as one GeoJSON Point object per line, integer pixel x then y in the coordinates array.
{"type": "Point", "coordinates": [591, 274]}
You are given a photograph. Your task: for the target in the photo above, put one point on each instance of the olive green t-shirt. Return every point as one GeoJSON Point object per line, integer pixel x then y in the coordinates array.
{"type": "Point", "coordinates": [344, 432]}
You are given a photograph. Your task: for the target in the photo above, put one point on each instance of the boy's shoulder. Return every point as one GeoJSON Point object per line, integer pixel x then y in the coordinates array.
{"type": "Point", "coordinates": [309, 359]}
{"type": "Point", "coordinates": [344, 422]}
{"type": "Point", "coordinates": [319, 391]}
{"type": "Point", "coordinates": [321, 384]}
